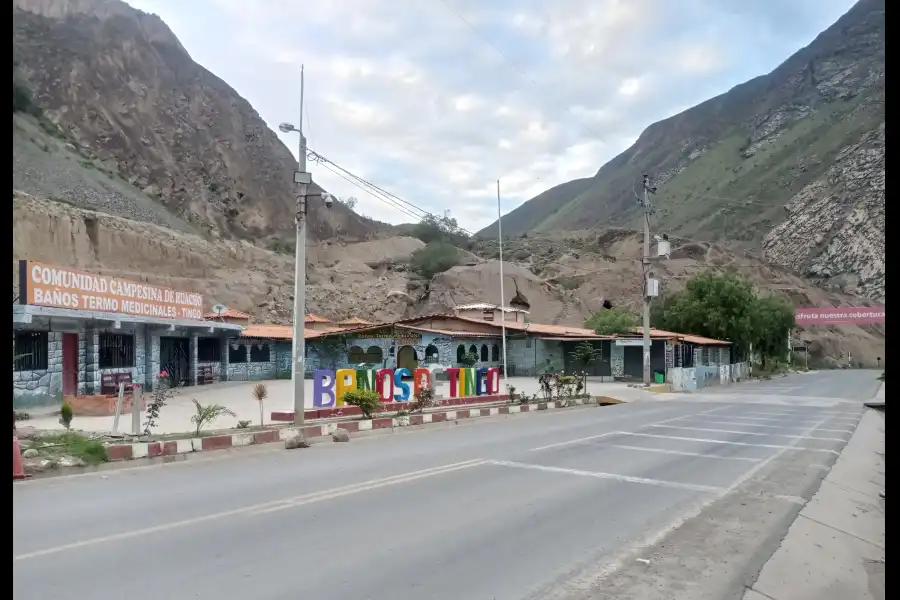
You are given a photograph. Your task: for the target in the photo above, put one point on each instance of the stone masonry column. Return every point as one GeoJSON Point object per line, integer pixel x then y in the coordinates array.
{"type": "Point", "coordinates": [193, 366]}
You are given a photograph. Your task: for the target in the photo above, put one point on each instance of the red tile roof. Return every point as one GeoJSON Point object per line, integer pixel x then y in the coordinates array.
{"type": "Point", "coordinates": [228, 314]}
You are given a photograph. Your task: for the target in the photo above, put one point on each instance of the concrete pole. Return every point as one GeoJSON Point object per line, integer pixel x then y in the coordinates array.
{"type": "Point", "coordinates": [502, 295]}
{"type": "Point", "coordinates": [298, 371]}
{"type": "Point", "coordinates": [645, 326]}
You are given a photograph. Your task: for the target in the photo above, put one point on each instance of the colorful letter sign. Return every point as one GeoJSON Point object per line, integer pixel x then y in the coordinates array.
{"type": "Point", "coordinates": [329, 386]}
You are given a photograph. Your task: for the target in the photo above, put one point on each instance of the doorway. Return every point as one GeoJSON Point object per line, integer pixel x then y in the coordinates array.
{"type": "Point", "coordinates": [634, 362]}
{"type": "Point", "coordinates": [174, 359]}
{"type": "Point", "coordinates": [407, 359]}
{"type": "Point", "coordinates": [70, 364]}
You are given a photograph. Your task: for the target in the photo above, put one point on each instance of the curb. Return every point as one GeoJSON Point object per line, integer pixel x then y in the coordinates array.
{"type": "Point", "coordinates": [138, 450]}
{"type": "Point", "coordinates": [345, 411]}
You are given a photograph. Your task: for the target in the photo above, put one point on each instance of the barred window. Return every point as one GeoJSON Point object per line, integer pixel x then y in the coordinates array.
{"type": "Point", "coordinates": [116, 351]}
{"type": "Point", "coordinates": [237, 354]}
{"type": "Point", "coordinates": [209, 350]}
{"type": "Point", "coordinates": [30, 351]}
{"type": "Point", "coordinates": [260, 353]}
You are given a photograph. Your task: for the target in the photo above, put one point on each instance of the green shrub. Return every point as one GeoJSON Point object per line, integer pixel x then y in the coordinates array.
{"type": "Point", "coordinates": [368, 401]}
{"type": "Point", "coordinates": [434, 258]}
{"type": "Point", "coordinates": [66, 414]}
{"type": "Point", "coordinates": [23, 97]}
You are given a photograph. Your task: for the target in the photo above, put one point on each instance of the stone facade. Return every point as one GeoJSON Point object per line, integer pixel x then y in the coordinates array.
{"type": "Point", "coordinates": [530, 356]}
{"type": "Point", "coordinates": [42, 387]}
{"type": "Point", "coordinates": [90, 373]}
{"type": "Point", "coordinates": [249, 370]}
{"type": "Point", "coordinates": [617, 360]}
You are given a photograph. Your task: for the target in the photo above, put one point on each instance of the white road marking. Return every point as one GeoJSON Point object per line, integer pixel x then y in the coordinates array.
{"type": "Point", "coordinates": [681, 452]}
{"type": "Point", "coordinates": [257, 508]}
{"type": "Point", "coordinates": [589, 580]}
{"type": "Point", "coordinates": [602, 435]}
{"type": "Point", "coordinates": [717, 422]}
{"type": "Point", "coordinates": [768, 419]}
{"type": "Point", "coordinates": [730, 443]}
{"type": "Point", "coordinates": [787, 435]}
{"type": "Point", "coordinates": [610, 476]}
{"type": "Point", "coordinates": [818, 414]}
{"type": "Point", "coordinates": [570, 442]}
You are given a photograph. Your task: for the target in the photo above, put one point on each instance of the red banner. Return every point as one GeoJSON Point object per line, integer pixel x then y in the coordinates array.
{"type": "Point", "coordinates": [839, 315]}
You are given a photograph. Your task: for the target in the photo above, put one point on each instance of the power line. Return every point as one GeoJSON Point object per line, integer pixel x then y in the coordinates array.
{"type": "Point", "coordinates": [388, 198]}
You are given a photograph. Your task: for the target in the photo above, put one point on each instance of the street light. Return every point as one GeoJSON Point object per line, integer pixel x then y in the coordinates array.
{"type": "Point", "coordinates": [302, 179]}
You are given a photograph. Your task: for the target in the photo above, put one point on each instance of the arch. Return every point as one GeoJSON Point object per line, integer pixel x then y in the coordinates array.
{"type": "Point", "coordinates": [495, 353]}
{"type": "Point", "coordinates": [473, 349]}
{"type": "Point", "coordinates": [431, 354]}
{"type": "Point", "coordinates": [356, 355]}
{"type": "Point", "coordinates": [460, 353]}
{"type": "Point", "coordinates": [374, 355]}
{"type": "Point", "coordinates": [484, 353]}
{"type": "Point", "coordinates": [407, 358]}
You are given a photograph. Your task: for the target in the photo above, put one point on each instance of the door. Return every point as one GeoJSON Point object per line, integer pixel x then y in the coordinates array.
{"type": "Point", "coordinates": [406, 358]}
{"type": "Point", "coordinates": [70, 364]}
{"type": "Point", "coordinates": [634, 362]}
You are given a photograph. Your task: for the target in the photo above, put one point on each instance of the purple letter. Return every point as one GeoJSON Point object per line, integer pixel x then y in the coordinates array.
{"type": "Point", "coordinates": [323, 385]}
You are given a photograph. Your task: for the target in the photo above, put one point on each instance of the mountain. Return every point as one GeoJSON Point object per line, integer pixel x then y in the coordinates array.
{"type": "Point", "coordinates": [118, 85]}
{"type": "Point", "coordinates": [797, 152]}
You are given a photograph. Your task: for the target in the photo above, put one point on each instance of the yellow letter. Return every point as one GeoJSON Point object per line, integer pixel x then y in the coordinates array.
{"type": "Point", "coordinates": [345, 380]}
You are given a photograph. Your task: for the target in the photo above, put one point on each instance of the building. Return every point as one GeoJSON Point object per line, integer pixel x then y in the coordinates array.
{"type": "Point", "coordinates": [77, 334]}
{"type": "Point", "coordinates": [532, 348]}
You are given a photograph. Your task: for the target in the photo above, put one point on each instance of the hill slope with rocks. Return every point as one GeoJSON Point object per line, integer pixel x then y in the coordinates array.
{"type": "Point", "coordinates": [131, 160]}
{"type": "Point", "coordinates": [796, 152]}
{"type": "Point", "coordinates": [123, 90]}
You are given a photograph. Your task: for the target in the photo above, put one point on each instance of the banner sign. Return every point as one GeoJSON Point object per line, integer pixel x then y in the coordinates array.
{"type": "Point", "coordinates": [841, 315]}
{"type": "Point", "coordinates": [61, 287]}
{"type": "Point", "coordinates": [330, 386]}
{"type": "Point", "coordinates": [629, 342]}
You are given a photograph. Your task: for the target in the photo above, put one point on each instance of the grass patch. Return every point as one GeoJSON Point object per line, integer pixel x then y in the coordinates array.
{"type": "Point", "coordinates": [91, 451]}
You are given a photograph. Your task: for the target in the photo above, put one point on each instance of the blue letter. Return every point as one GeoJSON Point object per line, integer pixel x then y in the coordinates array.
{"type": "Point", "coordinates": [399, 374]}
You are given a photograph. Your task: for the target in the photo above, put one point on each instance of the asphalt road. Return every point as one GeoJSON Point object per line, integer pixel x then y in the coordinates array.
{"type": "Point", "coordinates": [554, 505]}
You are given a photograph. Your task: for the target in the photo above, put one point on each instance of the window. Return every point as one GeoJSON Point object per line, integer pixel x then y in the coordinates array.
{"type": "Point", "coordinates": [460, 353]}
{"type": "Point", "coordinates": [116, 351]}
{"type": "Point", "coordinates": [356, 355]}
{"type": "Point", "coordinates": [484, 353]}
{"type": "Point", "coordinates": [30, 351]}
{"type": "Point", "coordinates": [260, 353]}
{"type": "Point", "coordinates": [209, 350]}
{"type": "Point", "coordinates": [431, 354]}
{"type": "Point", "coordinates": [237, 353]}
{"type": "Point", "coordinates": [473, 349]}
{"type": "Point", "coordinates": [392, 351]}
{"type": "Point", "coordinates": [374, 355]}
{"type": "Point", "coordinates": [495, 353]}
{"type": "Point", "coordinates": [487, 314]}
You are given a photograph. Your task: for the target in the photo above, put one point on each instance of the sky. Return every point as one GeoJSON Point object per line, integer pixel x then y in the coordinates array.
{"type": "Point", "coordinates": [435, 100]}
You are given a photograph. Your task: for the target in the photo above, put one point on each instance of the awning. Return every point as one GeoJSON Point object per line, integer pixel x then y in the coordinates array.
{"type": "Point", "coordinates": [28, 313]}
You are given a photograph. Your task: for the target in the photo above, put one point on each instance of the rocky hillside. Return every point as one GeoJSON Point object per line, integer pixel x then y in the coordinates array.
{"type": "Point", "coordinates": [128, 96]}
{"type": "Point", "coordinates": [808, 137]}
{"type": "Point", "coordinates": [564, 277]}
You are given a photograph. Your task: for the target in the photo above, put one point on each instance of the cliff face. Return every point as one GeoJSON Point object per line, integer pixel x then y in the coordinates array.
{"type": "Point", "coordinates": [727, 168]}
{"type": "Point", "coordinates": [835, 228]}
{"type": "Point", "coordinates": [121, 86]}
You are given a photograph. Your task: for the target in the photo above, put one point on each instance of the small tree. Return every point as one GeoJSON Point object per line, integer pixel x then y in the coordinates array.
{"type": "Point", "coordinates": [434, 258]}
{"type": "Point", "coordinates": [468, 360]}
{"type": "Point", "coordinates": [368, 401]}
{"type": "Point", "coordinates": [204, 415]}
{"type": "Point", "coordinates": [261, 392]}
{"type": "Point", "coordinates": [612, 321]}
{"type": "Point", "coordinates": [162, 393]}
{"type": "Point", "coordinates": [66, 414]}
{"type": "Point", "coordinates": [586, 354]}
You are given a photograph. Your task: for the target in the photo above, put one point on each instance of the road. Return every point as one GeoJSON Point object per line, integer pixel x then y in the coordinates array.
{"type": "Point", "coordinates": [552, 506]}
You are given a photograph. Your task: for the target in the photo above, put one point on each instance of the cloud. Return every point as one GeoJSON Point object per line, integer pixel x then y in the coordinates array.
{"type": "Point", "coordinates": [434, 100]}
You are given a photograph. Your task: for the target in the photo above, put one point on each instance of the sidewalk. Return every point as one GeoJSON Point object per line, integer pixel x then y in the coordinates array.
{"type": "Point", "coordinates": [835, 548]}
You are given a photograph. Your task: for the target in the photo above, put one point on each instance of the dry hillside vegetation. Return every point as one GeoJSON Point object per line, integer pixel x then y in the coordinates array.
{"type": "Point", "coordinates": [372, 279]}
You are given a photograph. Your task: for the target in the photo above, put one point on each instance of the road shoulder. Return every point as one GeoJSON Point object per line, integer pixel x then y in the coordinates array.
{"type": "Point", "coordinates": [835, 548]}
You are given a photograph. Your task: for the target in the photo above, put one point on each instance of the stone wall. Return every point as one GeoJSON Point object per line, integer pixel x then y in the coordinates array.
{"type": "Point", "coordinates": [42, 388]}
{"type": "Point", "coordinates": [248, 370]}
{"type": "Point", "coordinates": [617, 360]}
{"type": "Point", "coordinates": [91, 369]}
{"type": "Point", "coordinates": [530, 356]}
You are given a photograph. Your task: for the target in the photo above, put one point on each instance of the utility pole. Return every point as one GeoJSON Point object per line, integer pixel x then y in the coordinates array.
{"type": "Point", "coordinates": [302, 179]}
{"type": "Point", "coordinates": [648, 375]}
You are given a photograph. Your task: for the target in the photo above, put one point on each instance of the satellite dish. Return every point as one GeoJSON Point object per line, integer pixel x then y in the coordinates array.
{"type": "Point", "coordinates": [219, 309]}
{"type": "Point", "coordinates": [526, 325]}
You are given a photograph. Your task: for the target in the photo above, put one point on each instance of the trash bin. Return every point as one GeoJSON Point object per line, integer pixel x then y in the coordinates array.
{"type": "Point", "coordinates": [659, 378]}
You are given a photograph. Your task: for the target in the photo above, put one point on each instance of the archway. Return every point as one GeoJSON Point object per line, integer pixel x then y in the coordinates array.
{"type": "Point", "coordinates": [407, 359]}
{"type": "Point", "coordinates": [431, 354]}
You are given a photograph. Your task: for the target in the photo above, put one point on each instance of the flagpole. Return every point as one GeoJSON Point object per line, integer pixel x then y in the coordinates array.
{"type": "Point", "coordinates": [502, 294]}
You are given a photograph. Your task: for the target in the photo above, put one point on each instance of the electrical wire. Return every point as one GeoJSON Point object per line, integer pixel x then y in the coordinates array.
{"type": "Point", "coordinates": [379, 193]}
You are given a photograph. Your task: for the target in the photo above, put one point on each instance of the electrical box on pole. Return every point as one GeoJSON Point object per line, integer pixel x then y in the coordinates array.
{"type": "Point", "coordinates": [652, 287]}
